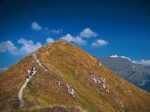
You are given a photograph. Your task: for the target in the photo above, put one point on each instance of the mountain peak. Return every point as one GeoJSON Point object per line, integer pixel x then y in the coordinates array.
{"type": "Point", "coordinates": [67, 79]}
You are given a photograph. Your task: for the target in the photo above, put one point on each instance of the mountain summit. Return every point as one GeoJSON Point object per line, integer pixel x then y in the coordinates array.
{"type": "Point", "coordinates": [65, 78]}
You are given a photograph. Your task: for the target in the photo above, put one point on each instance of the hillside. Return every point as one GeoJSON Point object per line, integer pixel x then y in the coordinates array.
{"type": "Point", "coordinates": [60, 65]}
{"type": "Point", "coordinates": [137, 74]}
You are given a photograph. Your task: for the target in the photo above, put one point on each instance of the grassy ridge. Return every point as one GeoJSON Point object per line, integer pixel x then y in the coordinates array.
{"type": "Point", "coordinates": [73, 66]}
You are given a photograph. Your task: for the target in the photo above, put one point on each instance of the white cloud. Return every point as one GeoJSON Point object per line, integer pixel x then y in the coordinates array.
{"type": "Point", "coordinates": [49, 40]}
{"type": "Point", "coordinates": [142, 62]}
{"type": "Point", "coordinates": [125, 57]}
{"type": "Point", "coordinates": [2, 69]}
{"type": "Point", "coordinates": [68, 37]}
{"type": "Point", "coordinates": [88, 33]}
{"type": "Point", "coordinates": [7, 46]}
{"type": "Point", "coordinates": [27, 46]}
{"type": "Point", "coordinates": [78, 40]}
{"type": "Point", "coordinates": [36, 26]}
{"type": "Point", "coordinates": [114, 56]}
{"type": "Point", "coordinates": [99, 42]}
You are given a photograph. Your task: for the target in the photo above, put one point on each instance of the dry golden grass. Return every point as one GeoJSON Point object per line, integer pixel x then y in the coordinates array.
{"type": "Point", "coordinates": [73, 66]}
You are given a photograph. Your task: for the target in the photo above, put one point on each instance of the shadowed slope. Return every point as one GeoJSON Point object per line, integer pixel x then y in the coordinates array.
{"type": "Point", "coordinates": [96, 88]}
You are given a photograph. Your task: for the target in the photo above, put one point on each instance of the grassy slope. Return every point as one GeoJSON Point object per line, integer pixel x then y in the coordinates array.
{"type": "Point", "coordinates": [71, 65]}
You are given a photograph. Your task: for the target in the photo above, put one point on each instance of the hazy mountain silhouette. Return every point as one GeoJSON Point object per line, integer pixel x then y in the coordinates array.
{"type": "Point", "coordinates": [134, 73]}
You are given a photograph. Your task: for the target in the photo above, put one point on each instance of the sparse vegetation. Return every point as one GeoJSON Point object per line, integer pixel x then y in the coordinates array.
{"type": "Point", "coordinates": [29, 84]}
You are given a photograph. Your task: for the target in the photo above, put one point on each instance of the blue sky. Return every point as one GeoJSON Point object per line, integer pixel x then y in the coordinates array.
{"type": "Point", "coordinates": [101, 27]}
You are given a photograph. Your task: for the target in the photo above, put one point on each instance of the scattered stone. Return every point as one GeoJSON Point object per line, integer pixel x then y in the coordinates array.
{"type": "Point", "coordinates": [103, 79]}
{"type": "Point", "coordinates": [116, 84]}
{"type": "Point", "coordinates": [59, 83]}
{"type": "Point", "coordinates": [100, 64]}
{"type": "Point", "coordinates": [121, 104]}
{"type": "Point", "coordinates": [104, 86]}
{"type": "Point", "coordinates": [98, 80]}
{"type": "Point", "coordinates": [70, 90]}
{"type": "Point", "coordinates": [107, 89]}
{"type": "Point", "coordinates": [129, 90]}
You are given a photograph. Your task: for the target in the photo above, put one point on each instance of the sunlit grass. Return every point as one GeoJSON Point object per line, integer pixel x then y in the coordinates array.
{"type": "Point", "coordinates": [73, 66]}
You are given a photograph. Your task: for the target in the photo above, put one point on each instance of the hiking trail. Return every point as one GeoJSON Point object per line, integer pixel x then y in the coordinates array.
{"type": "Point", "coordinates": [21, 104]}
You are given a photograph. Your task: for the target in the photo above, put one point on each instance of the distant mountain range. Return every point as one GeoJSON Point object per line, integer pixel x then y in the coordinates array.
{"type": "Point", "coordinates": [137, 74]}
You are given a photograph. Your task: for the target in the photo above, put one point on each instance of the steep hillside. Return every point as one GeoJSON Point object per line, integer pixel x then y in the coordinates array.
{"type": "Point", "coordinates": [137, 74]}
{"type": "Point", "coordinates": [67, 79]}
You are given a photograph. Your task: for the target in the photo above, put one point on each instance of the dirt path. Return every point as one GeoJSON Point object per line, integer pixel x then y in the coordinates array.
{"type": "Point", "coordinates": [20, 94]}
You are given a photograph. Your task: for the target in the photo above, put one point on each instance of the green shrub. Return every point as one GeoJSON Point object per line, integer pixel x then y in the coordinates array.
{"type": "Point", "coordinates": [29, 84]}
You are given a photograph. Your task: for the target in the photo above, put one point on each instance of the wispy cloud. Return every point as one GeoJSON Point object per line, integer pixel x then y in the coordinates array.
{"type": "Point", "coordinates": [78, 40]}
{"type": "Point", "coordinates": [99, 42]}
{"type": "Point", "coordinates": [88, 33]}
{"type": "Point", "coordinates": [36, 26]}
{"type": "Point", "coordinates": [125, 57]}
{"type": "Point", "coordinates": [54, 31]}
{"type": "Point", "coordinates": [49, 40]}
